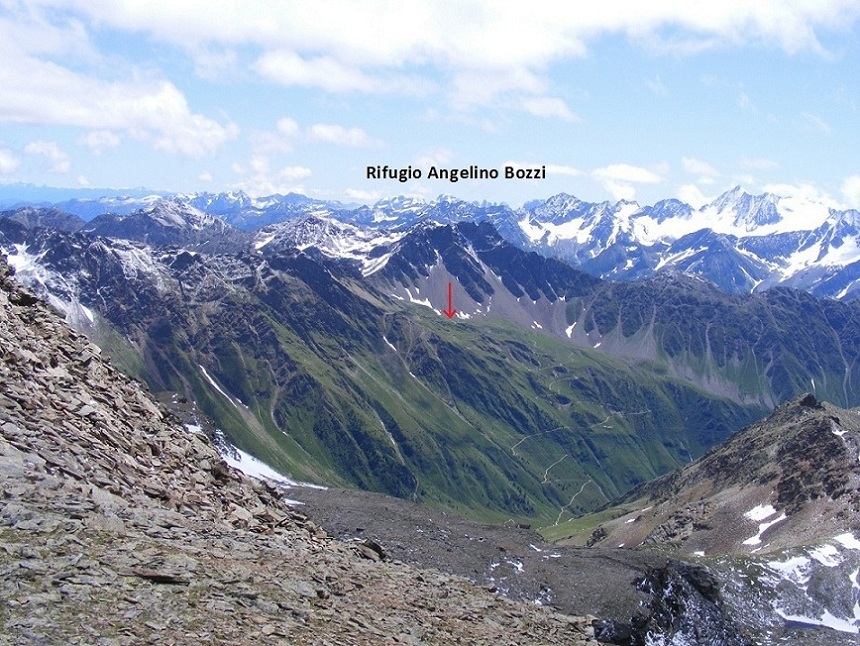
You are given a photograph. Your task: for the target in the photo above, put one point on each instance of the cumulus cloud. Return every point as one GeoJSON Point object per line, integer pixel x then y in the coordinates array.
{"type": "Point", "coordinates": [619, 179]}
{"type": "Point", "coordinates": [99, 140]}
{"type": "Point", "coordinates": [549, 107]}
{"type": "Point", "coordinates": [627, 173]}
{"type": "Point", "coordinates": [692, 195]}
{"type": "Point", "coordinates": [9, 163]}
{"type": "Point", "coordinates": [803, 190]}
{"type": "Point", "coordinates": [360, 195]}
{"type": "Point", "coordinates": [288, 127]}
{"type": "Point", "coordinates": [698, 167]}
{"type": "Point", "coordinates": [706, 173]}
{"type": "Point", "coordinates": [40, 92]}
{"type": "Point", "coordinates": [58, 161]}
{"type": "Point", "coordinates": [851, 191]}
{"type": "Point", "coordinates": [478, 32]}
{"type": "Point", "coordinates": [257, 178]}
{"type": "Point", "coordinates": [434, 157]}
{"type": "Point", "coordinates": [475, 53]}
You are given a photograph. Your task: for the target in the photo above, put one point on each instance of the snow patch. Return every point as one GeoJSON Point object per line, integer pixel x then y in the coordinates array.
{"type": "Point", "coordinates": [827, 620]}
{"type": "Point", "coordinates": [217, 387]}
{"type": "Point", "coordinates": [760, 512]}
{"type": "Point", "coordinates": [259, 470]}
{"type": "Point", "coordinates": [795, 569]}
{"type": "Point", "coordinates": [762, 528]}
{"type": "Point", "coordinates": [848, 540]}
{"type": "Point", "coordinates": [827, 555]}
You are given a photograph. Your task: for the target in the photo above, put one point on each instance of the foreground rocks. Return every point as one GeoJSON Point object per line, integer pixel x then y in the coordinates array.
{"type": "Point", "coordinates": [118, 526]}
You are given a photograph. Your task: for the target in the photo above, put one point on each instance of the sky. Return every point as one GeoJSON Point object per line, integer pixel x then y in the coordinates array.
{"type": "Point", "coordinates": [614, 100]}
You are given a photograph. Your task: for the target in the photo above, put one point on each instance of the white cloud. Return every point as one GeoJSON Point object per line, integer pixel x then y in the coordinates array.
{"type": "Point", "coordinates": [805, 190]}
{"type": "Point", "coordinates": [692, 195]}
{"type": "Point", "coordinates": [258, 179]}
{"type": "Point", "coordinates": [83, 181]}
{"type": "Point", "coordinates": [433, 157]}
{"type": "Point", "coordinates": [619, 179]}
{"type": "Point", "coordinates": [58, 161]}
{"type": "Point", "coordinates": [294, 173]}
{"type": "Point", "coordinates": [336, 134]}
{"type": "Point", "coordinates": [214, 64]}
{"type": "Point", "coordinates": [475, 53]}
{"type": "Point", "coordinates": [698, 167]}
{"type": "Point", "coordinates": [281, 140]}
{"type": "Point", "coordinates": [288, 68]}
{"type": "Point", "coordinates": [205, 176]}
{"type": "Point", "coordinates": [99, 140]}
{"type": "Point", "coordinates": [9, 163]}
{"type": "Point", "coordinates": [332, 75]}
{"type": "Point", "coordinates": [363, 196]}
{"type": "Point", "coordinates": [619, 190]}
{"type": "Point", "coordinates": [476, 87]}
{"type": "Point", "coordinates": [288, 127]}
{"type": "Point", "coordinates": [627, 173]}
{"type": "Point", "coordinates": [40, 92]}
{"type": "Point", "coordinates": [486, 33]}
{"type": "Point", "coordinates": [549, 107]}
{"type": "Point", "coordinates": [851, 191]}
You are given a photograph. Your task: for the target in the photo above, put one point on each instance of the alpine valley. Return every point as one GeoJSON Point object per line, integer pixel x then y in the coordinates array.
{"type": "Point", "coordinates": [595, 348]}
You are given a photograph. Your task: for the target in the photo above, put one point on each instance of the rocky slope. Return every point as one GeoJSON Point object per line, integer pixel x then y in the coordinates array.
{"type": "Point", "coordinates": [773, 512]}
{"type": "Point", "coordinates": [119, 526]}
{"type": "Point", "coordinates": [784, 482]}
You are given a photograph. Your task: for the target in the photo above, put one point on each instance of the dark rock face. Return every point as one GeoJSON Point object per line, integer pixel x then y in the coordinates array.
{"type": "Point", "coordinates": [684, 605]}
{"type": "Point", "coordinates": [685, 600]}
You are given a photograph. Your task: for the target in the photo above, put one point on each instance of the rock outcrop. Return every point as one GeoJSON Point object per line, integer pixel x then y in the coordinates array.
{"type": "Point", "coordinates": [792, 479]}
{"type": "Point", "coordinates": [119, 526]}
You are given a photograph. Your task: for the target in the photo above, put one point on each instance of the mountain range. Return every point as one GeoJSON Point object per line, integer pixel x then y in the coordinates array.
{"type": "Point", "coordinates": [319, 346]}
{"type": "Point", "coordinates": [605, 412]}
{"type": "Point", "coordinates": [740, 242]}
{"type": "Point", "coordinates": [119, 524]}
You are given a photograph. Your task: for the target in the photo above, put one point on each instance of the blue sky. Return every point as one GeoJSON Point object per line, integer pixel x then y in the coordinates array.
{"type": "Point", "coordinates": [618, 100]}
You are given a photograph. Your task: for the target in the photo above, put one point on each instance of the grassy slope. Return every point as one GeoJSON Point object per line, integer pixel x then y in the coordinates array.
{"type": "Point", "coordinates": [482, 417]}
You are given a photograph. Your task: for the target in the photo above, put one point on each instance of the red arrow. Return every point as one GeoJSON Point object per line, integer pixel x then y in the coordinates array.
{"type": "Point", "coordinates": [450, 311]}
